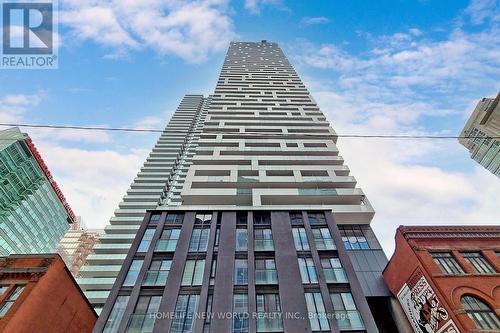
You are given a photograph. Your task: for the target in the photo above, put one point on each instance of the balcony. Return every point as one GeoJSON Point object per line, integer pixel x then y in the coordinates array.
{"type": "Point", "coordinates": [269, 322]}
{"type": "Point", "coordinates": [264, 245]}
{"type": "Point", "coordinates": [155, 278]}
{"type": "Point", "coordinates": [335, 275]}
{"type": "Point", "coordinates": [141, 323]}
{"type": "Point", "coordinates": [325, 244]}
{"type": "Point", "coordinates": [266, 276]}
{"type": "Point", "coordinates": [166, 245]}
{"type": "Point", "coordinates": [349, 320]}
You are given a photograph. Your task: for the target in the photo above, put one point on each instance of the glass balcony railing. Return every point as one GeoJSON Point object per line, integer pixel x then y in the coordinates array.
{"type": "Point", "coordinates": [325, 244]}
{"type": "Point", "coordinates": [335, 275]}
{"type": "Point", "coordinates": [141, 323]}
{"type": "Point", "coordinates": [266, 276]}
{"type": "Point", "coordinates": [349, 320]}
{"type": "Point", "coordinates": [155, 278]}
{"type": "Point", "coordinates": [269, 322]}
{"type": "Point", "coordinates": [264, 245]}
{"type": "Point", "coordinates": [166, 245]}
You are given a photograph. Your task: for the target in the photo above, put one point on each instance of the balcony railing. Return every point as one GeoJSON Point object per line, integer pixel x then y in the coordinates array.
{"type": "Point", "coordinates": [269, 322]}
{"type": "Point", "coordinates": [325, 244]}
{"type": "Point", "coordinates": [155, 278]}
{"type": "Point", "coordinates": [335, 275]}
{"type": "Point", "coordinates": [141, 323]}
{"type": "Point", "coordinates": [266, 276]}
{"type": "Point", "coordinates": [264, 245]}
{"type": "Point", "coordinates": [166, 245]}
{"type": "Point", "coordinates": [349, 320]}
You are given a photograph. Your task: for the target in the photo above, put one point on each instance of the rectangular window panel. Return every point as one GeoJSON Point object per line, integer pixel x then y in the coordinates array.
{"type": "Point", "coordinates": [269, 316]}
{"type": "Point", "coordinates": [168, 240]}
{"type": "Point", "coordinates": [447, 263]}
{"type": "Point", "coordinates": [316, 218]}
{"type": "Point", "coordinates": [199, 240]}
{"type": "Point", "coordinates": [193, 273]}
{"type": "Point", "coordinates": [296, 218]}
{"type": "Point", "coordinates": [263, 240]}
{"type": "Point", "coordinates": [346, 313]}
{"type": "Point", "coordinates": [332, 268]}
{"type": "Point", "coordinates": [241, 240]}
{"type": "Point", "coordinates": [265, 271]}
{"type": "Point", "coordinates": [240, 271]}
{"type": "Point", "coordinates": [146, 240]}
{"type": "Point", "coordinates": [317, 313]}
{"type": "Point", "coordinates": [240, 310]}
{"type": "Point", "coordinates": [184, 316]}
{"type": "Point", "coordinates": [133, 272]}
{"type": "Point", "coordinates": [158, 273]}
{"type": "Point", "coordinates": [11, 300]}
{"type": "Point", "coordinates": [174, 219]}
{"type": "Point", "coordinates": [323, 239]}
{"type": "Point", "coordinates": [143, 318]}
{"type": "Point", "coordinates": [300, 239]}
{"type": "Point", "coordinates": [307, 270]}
{"type": "Point", "coordinates": [478, 262]}
{"type": "Point", "coordinates": [116, 314]}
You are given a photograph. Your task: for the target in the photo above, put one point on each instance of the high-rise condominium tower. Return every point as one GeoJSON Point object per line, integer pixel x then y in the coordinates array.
{"type": "Point", "coordinates": [251, 210]}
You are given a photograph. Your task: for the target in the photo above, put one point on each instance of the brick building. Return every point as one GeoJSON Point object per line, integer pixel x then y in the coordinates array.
{"type": "Point", "coordinates": [447, 277]}
{"type": "Point", "coordinates": [39, 294]}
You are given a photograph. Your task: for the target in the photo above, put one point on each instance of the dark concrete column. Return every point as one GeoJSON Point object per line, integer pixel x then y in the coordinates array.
{"type": "Point", "coordinates": [223, 291]}
{"type": "Point", "coordinates": [290, 283]}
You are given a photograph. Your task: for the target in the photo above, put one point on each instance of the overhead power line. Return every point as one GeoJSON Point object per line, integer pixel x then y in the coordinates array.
{"type": "Point", "coordinates": [260, 134]}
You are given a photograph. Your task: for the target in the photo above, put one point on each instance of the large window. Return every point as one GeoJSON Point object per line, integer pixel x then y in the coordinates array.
{"type": "Point", "coordinates": [447, 263]}
{"type": "Point", "coordinates": [168, 240]}
{"type": "Point", "coordinates": [300, 239]}
{"type": "Point", "coordinates": [332, 268]}
{"type": "Point", "coordinates": [316, 218]}
{"type": "Point", "coordinates": [265, 271]}
{"type": "Point", "coordinates": [296, 218]}
{"type": "Point", "coordinates": [146, 240]}
{"type": "Point", "coordinates": [240, 271]}
{"type": "Point", "coordinates": [240, 310]}
{"type": "Point", "coordinates": [323, 239]}
{"type": "Point", "coordinates": [317, 313]}
{"type": "Point", "coordinates": [158, 273]}
{"type": "Point", "coordinates": [173, 218]}
{"type": "Point", "coordinates": [184, 314]}
{"type": "Point", "coordinates": [193, 273]}
{"type": "Point", "coordinates": [346, 313]}
{"type": "Point", "coordinates": [143, 318]}
{"type": "Point", "coordinates": [133, 272]}
{"type": "Point", "coordinates": [269, 317]}
{"type": "Point", "coordinates": [199, 240]}
{"type": "Point", "coordinates": [478, 262]}
{"type": "Point", "coordinates": [116, 314]}
{"type": "Point", "coordinates": [358, 237]}
{"type": "Point", "coordinates": [241, 239]}
{"type": "Point", "coordinates": [480, 313]}
{"type": "Point", "coordinates": [11, 300]}
{"type": "Point", "coordinates": [307, 270]}
{"type": "Point", "coordinates": [263, 240]}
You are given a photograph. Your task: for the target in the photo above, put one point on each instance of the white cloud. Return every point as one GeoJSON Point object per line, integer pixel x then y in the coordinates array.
{"type": "Point", "coordinates": [255, 6]}
{"type": "Point", "coordinates": [406, 83]}
{"type": "Point", "coordinates": [13, 107]}
{"type": "Point", "coordinates": [314, 20]}
{"type": "Point", "coordinates": [191, 30]}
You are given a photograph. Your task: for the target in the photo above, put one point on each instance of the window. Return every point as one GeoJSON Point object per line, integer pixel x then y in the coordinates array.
{"type": "Point", "coordinates": [168, 240]}
{"type": "Point", "coordinates": [240, 311]}
{"type": "Point", "coordinates": [346, 313]}
{"type": "Point", "coordinates": [116, 315]}
{"type": "Point", "coordinates": [146, 240]}
{"type": "Point", "coordinates": [3, 289]}
{"type": "Point", "coordinates": [478, 262]}
{"type": "Point", "coordinates": [263, 240]}
{"type": "Point", "coordinates": [133, 272]}
{"type": "Point", "coordinates": [300, 239]}
{"type": "Point", "coordinates": [240, 271]}
{"type": "Point", "coordinates": [358, 237]}
{"type": "Point", "coordinates": [213, 270]}
{"type": "Point", "coordinates": [296, 218]}
{"type": "Point", "coordinates": [480, 313]}
{"type": "Point", "coordinates": [203, 218]}
{"type": "Point", "coordinates": [184, 316]}
{"type": "Point", "coordinates": [193, 273]}
{"type": "Point", "coordinates": [241, 240]}
{"type": "Point", "coordinates": [242, 218]}
{"type": "Point", "coordinates": [332, 268]}
{"type": "Point", "coordinates": [208, 311]}
{"type": "Point", "coordinates": [158, 273]}
{"type": "Point", "coordinates": [143, 318]}
{"type": "Point", "coordinates": [265, 271]}
{"type": "Point", "coordinates": [155, 217]}
{"type": "Point", "coordinates": [317, 312]}
{"type": "Point", "coordinates": [323, 239]}
{"type": "Point", "coordinates": [268, 316]}
{"type": "Point", "coordinates": [217, 238]}
{"type": "Point", "coordinates": [11, 300]}
{"type": "Point", "coordinates": [307, 270]}
{"type": "Point", "coordinates": [199, 240]}
{"type": "Point", "coordinates": [174, 219]}
{"type": "Point", "coordinates": [261, 218]}
{"type": "Point", "coordinates": [316, 218]}
{"type": "Point", "coordinates": [447, 263]}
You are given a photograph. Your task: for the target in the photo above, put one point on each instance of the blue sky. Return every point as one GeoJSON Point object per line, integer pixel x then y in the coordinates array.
{"type": "Point", "coordinates": [374, 67]}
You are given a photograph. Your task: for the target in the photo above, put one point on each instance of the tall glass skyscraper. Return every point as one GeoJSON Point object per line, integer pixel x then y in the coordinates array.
{"type": "Point", "coordinates": [34, 214]}
{"type": "Point", "coordinates": [251, 212]}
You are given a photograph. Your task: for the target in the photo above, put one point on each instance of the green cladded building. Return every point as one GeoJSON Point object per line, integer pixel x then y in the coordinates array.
{"type": "Point", "coordinates": [34, 214]}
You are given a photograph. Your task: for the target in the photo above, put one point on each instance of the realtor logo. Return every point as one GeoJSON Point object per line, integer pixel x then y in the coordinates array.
{"type": "Point", "coordinates": [28, 35]}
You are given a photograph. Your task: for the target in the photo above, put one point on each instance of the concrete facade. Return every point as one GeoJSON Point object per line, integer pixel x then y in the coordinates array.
{"type": "Point", "coordinates": [39, 294]}
{"type": "Point", "coordinates": [418, 256]}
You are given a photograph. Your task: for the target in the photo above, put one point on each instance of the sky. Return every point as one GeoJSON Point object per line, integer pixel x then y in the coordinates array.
{"type": "Point", "coordinates": [374, 67]}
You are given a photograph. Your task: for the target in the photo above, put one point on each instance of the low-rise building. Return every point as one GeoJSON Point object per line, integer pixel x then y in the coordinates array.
{"type": "Point", "coordinates": [447, 277]}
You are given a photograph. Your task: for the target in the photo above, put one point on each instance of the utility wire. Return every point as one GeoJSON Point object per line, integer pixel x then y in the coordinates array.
{"type": "Point", "coordinates": [260, 134]}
